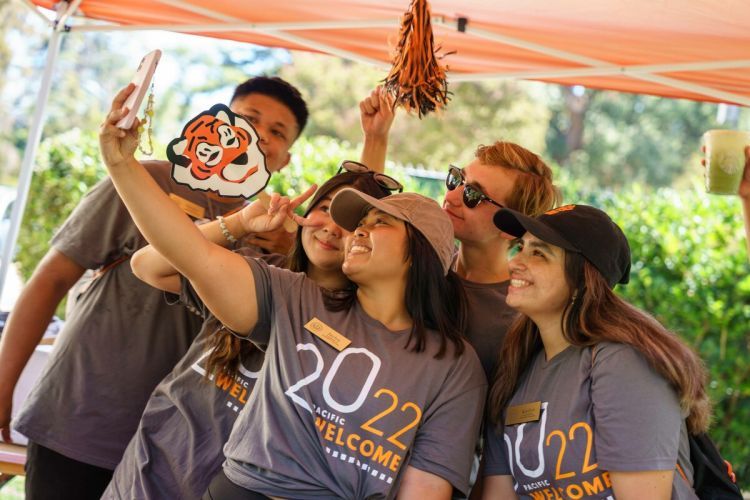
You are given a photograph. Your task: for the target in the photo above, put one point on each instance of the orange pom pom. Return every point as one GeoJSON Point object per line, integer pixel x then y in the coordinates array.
{"type": "Point", "coordinates": [417, 80]}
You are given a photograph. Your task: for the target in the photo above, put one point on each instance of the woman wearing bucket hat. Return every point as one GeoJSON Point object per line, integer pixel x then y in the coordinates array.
{"type": "Point", "coordinates": [335, 411]}
{"type": "Point", "coordinates": [191, 412]}
{"type": "Point", "coordinates": [596, 397]}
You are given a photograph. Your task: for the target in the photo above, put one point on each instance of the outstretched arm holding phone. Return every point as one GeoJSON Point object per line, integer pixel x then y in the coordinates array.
{"type": "Point", "coordinates": [222, 278]}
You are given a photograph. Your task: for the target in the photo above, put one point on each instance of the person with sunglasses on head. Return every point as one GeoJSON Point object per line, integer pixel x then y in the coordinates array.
{"type": "Point", "coordinates": [177, 448]}
{"type": "Point", "coordinates": [376, 116]}
{"type": "Point", "coordinates": [595, 398]}
{"type": "Point", "coordinates": [335, 412]}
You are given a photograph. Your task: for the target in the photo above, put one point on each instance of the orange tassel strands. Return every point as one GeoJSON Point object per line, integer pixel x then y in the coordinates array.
{"type": "Point", "coordinates": [417, 80]}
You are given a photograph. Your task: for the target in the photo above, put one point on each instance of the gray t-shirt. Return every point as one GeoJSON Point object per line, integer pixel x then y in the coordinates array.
{"type": "Point", "coordinates": [121, 338]}
{"type": "Point", "coordinates": [489, 318]}
{"type": "Point", "coordinates": [324, 423]}
{"type": "Point", "coordinates": [617, 415]}
{"type": "Point", "coordinates": [177, 448]}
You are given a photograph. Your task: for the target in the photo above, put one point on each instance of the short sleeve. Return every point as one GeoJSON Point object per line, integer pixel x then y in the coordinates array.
{"type": "Point", "coordinates": [495, 451]}
{"type": "Point", "coordinates": [188, 298]}
{"type": "Point", "coordinates": [446, 440]}
{"type": "Point", "coordinates": [636, 412]}
{"type": "Point", "coordinates": [260, 335]}
{"type": "Point", "coordinates": [99, 230]}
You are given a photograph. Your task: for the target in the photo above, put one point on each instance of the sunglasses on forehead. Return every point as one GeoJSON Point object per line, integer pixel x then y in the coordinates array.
{"type": "Point", "coordinates": [384, 181]}
{"type": "Point", "coordinates": [472, 195]}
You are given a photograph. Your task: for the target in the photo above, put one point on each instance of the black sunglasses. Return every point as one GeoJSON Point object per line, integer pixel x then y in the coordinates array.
{"type": "Point", "coordinates": [384, 181]}
{"type": "Point", "coordinates": [472, 195]}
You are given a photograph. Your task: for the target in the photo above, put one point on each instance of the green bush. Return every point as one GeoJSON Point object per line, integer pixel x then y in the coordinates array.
{"type": "Point", "coordinates": [316, 159]}
{"type": "Point", "coordinates": [67, 165]}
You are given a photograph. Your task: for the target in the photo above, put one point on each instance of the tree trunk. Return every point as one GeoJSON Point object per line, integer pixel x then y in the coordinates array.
{"type": "Point", "coordinates": [576, 107]}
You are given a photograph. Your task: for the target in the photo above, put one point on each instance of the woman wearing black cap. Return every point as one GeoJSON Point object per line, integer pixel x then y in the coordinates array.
{"type": "Point", "coordinates": [595, 398]}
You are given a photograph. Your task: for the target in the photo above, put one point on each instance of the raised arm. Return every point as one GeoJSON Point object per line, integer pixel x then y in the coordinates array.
{"type": "Point", "coordinates": [221, 278]}
{"type": "Point", "coordinates": [376, 115]}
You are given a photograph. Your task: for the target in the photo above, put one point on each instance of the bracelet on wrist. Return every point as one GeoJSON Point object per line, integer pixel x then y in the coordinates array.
{"type": "Point", "coordinates": [225, 231]}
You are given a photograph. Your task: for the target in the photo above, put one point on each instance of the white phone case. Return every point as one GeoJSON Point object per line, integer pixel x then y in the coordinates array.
{"type": "Point", "coordinates": [142, 80]}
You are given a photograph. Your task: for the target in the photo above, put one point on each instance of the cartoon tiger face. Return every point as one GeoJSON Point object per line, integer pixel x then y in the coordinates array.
{"type": "Point", "coordinates": [218, 150]}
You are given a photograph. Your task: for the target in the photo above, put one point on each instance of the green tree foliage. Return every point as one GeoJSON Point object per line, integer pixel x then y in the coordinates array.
{"type": "Point", "coordinates": [10, 19]}
{"type": "Point", "coordinates": [478, 113]}
{"type": "Point", "coordinates": [67, 166]}
{"type": "Point", "coordinates": [612, 139]}
{"type": "Point", "coordinates": [316, 159]}
{"type": "Point", "coordinates": [219, 71]}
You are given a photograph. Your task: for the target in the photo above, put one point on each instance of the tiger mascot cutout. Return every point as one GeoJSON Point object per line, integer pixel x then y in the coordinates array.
{"type": "Point", "coordinates": [218, 151]}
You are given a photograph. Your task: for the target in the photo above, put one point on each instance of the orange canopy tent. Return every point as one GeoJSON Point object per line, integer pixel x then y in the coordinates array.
{"type": "Point", "coordinates": [695, 49]}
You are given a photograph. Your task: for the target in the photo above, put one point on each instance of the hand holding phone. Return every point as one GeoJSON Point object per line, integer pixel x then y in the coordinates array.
{"type": "Point", "coordinates": [142, 80]}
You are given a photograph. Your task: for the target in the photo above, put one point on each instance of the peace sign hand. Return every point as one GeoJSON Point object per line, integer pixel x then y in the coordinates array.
{"type": "Point", "coordinates": [256, 218]}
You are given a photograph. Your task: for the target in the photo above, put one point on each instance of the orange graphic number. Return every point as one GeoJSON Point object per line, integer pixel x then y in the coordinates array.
{"type": "Point", "coordinates": [563, 444]}
{"type": "Point", "coordinates": [413, 423]}
{"type": "Point", "coordinates": [393, 439]}
{"type": "Point", "coordinates": [368, 425]}
{"type": "Point", "coordinates": [587, 465]}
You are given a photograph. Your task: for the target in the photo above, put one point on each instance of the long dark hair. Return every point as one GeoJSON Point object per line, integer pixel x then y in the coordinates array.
{"type": "Point", "coordinates": [593, 315]}
{"type": "Point", "coordinates": [226, 349]}
{"type": "Point", "coordinates": [434, 301]}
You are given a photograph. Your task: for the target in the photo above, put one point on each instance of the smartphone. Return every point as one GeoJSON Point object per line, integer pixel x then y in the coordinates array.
{"type": "Point", "coordinates": [142, 81]}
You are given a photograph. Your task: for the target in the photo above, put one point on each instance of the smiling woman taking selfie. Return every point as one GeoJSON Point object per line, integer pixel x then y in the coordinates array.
{"type": "Point", "coordinates": [336, 411]}
{"type": "Point", "coordinates": [177, 448]}
{"type": "Point", "coordinates": [595, 398]}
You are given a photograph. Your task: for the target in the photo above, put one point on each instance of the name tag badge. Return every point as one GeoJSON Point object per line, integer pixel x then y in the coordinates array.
{"type": "Point", "coordinates": [327, 334]}
{"type": "Point", "coordinates": [520, 414]}
{"type": "Point", "coordinates": [192, 209]}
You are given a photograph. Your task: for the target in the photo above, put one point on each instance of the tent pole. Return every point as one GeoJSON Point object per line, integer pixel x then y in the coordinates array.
{"type": "Point", "coordinates": [32, 8]}
{"type": "Point", "coordinates": [35, 135]}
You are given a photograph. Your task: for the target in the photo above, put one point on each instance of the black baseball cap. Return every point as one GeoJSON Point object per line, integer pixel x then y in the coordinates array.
{"type": "Point", "coordinates": [577, 228]}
